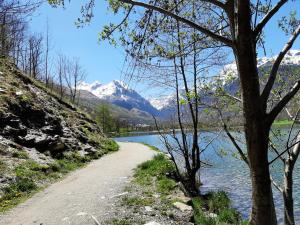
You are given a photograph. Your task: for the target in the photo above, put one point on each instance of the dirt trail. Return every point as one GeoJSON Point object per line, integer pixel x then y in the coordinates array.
{"type": "Point", "coordinates": [85, 196]}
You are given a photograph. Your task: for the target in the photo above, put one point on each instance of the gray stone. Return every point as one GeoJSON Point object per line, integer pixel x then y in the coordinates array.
{"type": "Point", "coordinates": [148, 209]}
{"type": "Point", "coordinates": [182, 207]}
{"type": "Point", "coordinates": [152, 223]}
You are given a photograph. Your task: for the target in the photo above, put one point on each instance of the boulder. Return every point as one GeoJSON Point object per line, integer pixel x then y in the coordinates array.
{"type": "Point", "coordinates": [183, 207]}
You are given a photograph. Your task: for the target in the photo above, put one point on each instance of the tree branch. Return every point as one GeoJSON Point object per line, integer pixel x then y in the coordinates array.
{"type": "Point", "coordinates": [181, 19]}
{"type": "Point", "coordinates": [120, 24]}
{"type": "Point", "coordinates": [216, 3]}
{"type": "Point", "coordinates": [274, 71]}
{"type": "Point", "coordinates": [258, 29]}
{"type": "Point", "coordinates": [276, 185]}
{"type": "Point", "coordinates": [282, 103]}
{"type": "Point", "coordinates": [244, 157]}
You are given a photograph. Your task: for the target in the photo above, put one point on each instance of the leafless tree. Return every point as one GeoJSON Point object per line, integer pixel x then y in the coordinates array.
{"type": "Point", "coordinates": [73, 74]}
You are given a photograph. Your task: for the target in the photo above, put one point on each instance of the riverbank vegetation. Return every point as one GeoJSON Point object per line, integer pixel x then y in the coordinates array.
{"type": "Point", "coordinates": [155, 188]}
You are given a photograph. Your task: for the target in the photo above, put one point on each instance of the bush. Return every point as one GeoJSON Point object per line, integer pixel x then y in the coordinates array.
{"type": "Point", "coordinates": [110, 145]}
{"type": "Point", "coordinates": [230, 216]}
{"type": "Point", "coordinates": [165, 185]}
{"type": "Point", "coordinates": [218, 201]}
{"type": "Point", "coordinates": [3, 166]}
{"type": "Point", "coordinates": [20, 154]}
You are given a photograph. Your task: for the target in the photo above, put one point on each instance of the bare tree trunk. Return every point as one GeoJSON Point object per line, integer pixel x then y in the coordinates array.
{"type": "Point", "coordinates": [289, 217]}
{"type": "Point", "coordinates": [256, 130]}
{"type": "Point", "coordinates": [288, 194]}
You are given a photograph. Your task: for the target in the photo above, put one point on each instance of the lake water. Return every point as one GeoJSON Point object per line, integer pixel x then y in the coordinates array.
{"type": "Point", "coordinates": [229, 173]}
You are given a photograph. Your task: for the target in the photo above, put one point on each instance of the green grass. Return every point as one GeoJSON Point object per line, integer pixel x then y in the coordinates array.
{"type": "Point", "coordinates": [20, 154]}
{"type": "Point", "coordinates": [136, 201]}
{"type": "Point", "coordinates": [217, 203]}
{"type": "Point", "coordinates": [110, 145]}
{"type": "Point", "coordinates": [283, 122]}
{"type": "Point", "coordinates": [155, 169]}
{"type": "Point", "coordinates": [119, 222]}
{"type": "Point", "coordinates": [152, 147]}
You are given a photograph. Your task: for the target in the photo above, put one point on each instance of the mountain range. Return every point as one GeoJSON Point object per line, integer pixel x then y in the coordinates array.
{"type": "Point", "coordinates": [130, 102]}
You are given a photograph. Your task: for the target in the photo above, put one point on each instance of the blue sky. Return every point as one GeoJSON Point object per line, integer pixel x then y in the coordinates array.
{"type": "Point", "coordinates": [102, 61]}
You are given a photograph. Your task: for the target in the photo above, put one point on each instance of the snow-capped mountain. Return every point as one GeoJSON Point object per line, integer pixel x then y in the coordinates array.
{"type": "Point", "coordinates": [291, 58]}
{"type": "Point", "coordinates": [163, 101]}
{"type": "Point", "coordinates": [118, 93]}
{"type": "Point", "coordinates": [228, 78]}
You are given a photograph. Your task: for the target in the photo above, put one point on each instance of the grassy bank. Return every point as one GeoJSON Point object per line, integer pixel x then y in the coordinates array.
{"type": "Point", "coordinates": [211, 209]}
{"type": "Point", "coordinates": [31, 177]}
{"type": "Point", "coordinates": [153, 179]}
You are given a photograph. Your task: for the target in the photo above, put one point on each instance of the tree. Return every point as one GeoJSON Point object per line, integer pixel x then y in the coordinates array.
{"type": "Point", "coordinates": [73, 75]}
{"type": "Point", "coordinates": [61, 70]}
{"type": "Point", "coordinates": [104, 118]}
{"type": "Point", "coordinates": [35, 49]}
{"type": "Point", "coordinates": [235, 25]}
{"type": "Point", "coordinates": [13, 24]}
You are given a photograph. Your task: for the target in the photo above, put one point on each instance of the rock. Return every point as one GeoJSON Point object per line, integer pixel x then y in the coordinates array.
{"type": "Point", "coordinates": [156, 195]}
{"type": "Point", "coordinates": [18, 93]}
{"type": "Point", "coordinates": [152, 223]}
{"type": "Point", "coordinates": [2, 90]}
{"type": "Point", "coordinates": [148, 209]}
{"type": "Point", "coordinates": [182, 198]}
{"type": "Point", "coordinates": [8, 131]}
{"type": "Point", "coordinates": [211, 215]}
{"type": "Point", "coordinates": [182, 207]}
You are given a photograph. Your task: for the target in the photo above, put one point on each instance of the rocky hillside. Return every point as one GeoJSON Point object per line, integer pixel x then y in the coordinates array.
{"type": "Point", "coordinates": [41, 134]}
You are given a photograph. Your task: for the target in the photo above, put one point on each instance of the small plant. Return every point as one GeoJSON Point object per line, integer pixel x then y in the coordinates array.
{"type": "Point", "coordinates": [3, 166]}
{"type": "Point", "coordinates": [218, 201]}
{"type": "Point", "coordinates": [120, 222]}
{"type": "Point", "coordinates": [165, 185]}
{"type": "Point", "coordinates": [135, 201]}
{"type": "Point", "coordinates": [219, 204]}
{"type": "Point", "coordinates": [110, 145]}
{"type": "Point", "coordinates": [20, 154]}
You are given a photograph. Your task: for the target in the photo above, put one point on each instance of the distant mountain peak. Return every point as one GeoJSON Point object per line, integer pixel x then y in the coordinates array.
{"type": "Point", "coordinates": [117, 92]}
{"type": "Point", "coordinates": [291, 58]}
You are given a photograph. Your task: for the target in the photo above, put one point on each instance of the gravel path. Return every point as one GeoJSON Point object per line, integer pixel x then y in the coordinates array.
{"type": "Point", "coordinates": [85, 196]}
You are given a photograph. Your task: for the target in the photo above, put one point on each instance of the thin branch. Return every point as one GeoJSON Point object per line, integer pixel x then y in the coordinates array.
{"type": "Point", "coordinates": [216, 3]}
{"type": "Point", "coordinates": [282, 103]}
{"type": "Point", "coordinates": [181, 19]}
{"type": "Point", "coordinates": [276, 151]}
{"type": "Point", "coordinates": [210, 142]}
{"type": "Point", "coordinates": [244, 157]}
{"type": "Point", "coordinates": [120, 24]}
{"type": "Point", "coordinates": [285, 151]}
{"type": "Point", "coordinates": [274, 71]}
{"type": "Point", "coordinates": [276, 185]}
{"type": "Point", "coordinates": [258, 29]}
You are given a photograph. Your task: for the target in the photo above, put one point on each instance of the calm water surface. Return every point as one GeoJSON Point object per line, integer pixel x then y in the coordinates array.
{"type": "Point", "coordinates": [229, 173]}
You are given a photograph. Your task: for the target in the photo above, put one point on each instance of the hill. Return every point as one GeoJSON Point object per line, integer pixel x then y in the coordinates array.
{"type": "Point", "coordinates": [41, 136]}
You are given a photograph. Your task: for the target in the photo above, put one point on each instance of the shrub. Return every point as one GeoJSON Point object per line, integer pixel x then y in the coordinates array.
{"type": "Point", "coordinates": [20, 154]}
{"type": "Point", "coordinates": [218, 201]}
{"type": "Point", "coordinates": [110, 145]}
{"type": "Point", "coordinates": [3, 166]}
{"type": "Point", "coordinates": [229, 215]}
{"type": "Point", "coordinates": [165, 185]}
